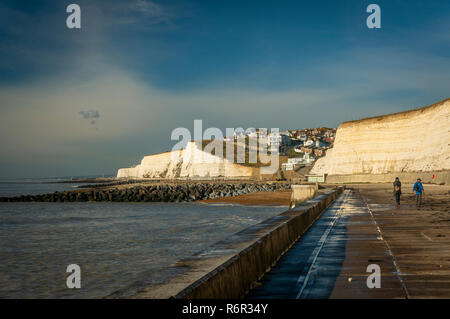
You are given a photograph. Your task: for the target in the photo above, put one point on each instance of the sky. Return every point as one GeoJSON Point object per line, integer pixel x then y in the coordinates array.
{"type": "Point", "coordinates": [91, 100]}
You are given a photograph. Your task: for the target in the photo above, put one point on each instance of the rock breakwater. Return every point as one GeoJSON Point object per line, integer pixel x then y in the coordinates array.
{"type": "Point", "coordinates": [186, 192]}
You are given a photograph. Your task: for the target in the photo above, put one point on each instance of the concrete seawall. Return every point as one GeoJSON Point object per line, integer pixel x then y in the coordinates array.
{"type": "Point", "coordinates": [231, 267]}
{"type": "Point", "coordinates": [302, 193]}
{"type": "Point", "coordinates": [440, 178]}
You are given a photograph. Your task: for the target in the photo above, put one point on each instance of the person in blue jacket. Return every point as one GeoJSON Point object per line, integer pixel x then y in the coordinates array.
{"type": "Point", "coordinates": [418, 188]}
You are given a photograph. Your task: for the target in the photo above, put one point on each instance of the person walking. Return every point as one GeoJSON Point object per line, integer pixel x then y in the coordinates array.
{"type": "Point", "coordinates": [397, 190]}
{"type": "Point", "coordinates": [418, 188]}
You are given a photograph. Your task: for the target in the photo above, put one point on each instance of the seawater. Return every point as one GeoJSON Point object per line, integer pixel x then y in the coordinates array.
{"type": "Point", "coordinates": [25, 186]}
{"type": "Point", "coordinates": [115, 244]}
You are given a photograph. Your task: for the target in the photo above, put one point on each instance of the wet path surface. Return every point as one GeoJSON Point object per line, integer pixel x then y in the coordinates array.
{"type": "Point", "coordinates": [331, 258]}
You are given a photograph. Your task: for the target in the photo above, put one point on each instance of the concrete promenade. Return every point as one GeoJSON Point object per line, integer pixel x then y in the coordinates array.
{"type": "Point", "coordinates": [331, 258]}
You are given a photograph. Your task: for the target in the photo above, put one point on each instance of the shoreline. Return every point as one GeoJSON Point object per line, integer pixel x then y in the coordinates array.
{"type": "Point", "coordinates": [276, 198]}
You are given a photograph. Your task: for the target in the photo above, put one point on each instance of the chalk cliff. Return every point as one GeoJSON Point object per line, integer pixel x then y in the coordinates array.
{"type": "Point", "coordinates": [411, 141]}
{"type": "Point", "coordinates": [190, 162]}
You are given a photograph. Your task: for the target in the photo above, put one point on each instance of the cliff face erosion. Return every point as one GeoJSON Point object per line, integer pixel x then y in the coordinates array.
{"type": "Point", "coordinates": [191, 162]}
{"type": "Point", "coordinates": [411, 141]}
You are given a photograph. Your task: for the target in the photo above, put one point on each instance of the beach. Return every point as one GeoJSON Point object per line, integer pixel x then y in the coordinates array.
{"type": "Point", "coordinates": [276, 198]}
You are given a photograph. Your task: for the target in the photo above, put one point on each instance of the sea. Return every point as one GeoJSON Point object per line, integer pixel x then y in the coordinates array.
{"type": "Point", "coordinates": [116, 245]}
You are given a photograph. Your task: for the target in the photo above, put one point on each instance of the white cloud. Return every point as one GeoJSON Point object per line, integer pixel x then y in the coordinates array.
{"type": "Point", "coordinates": [148, 8]}
{"type": "Point", "coordinates": [45, 116]}
{"type": "Point", "coordinates": [141, 13]}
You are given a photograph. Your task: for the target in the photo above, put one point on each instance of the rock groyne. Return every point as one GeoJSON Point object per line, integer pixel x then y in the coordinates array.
{"type": "Point", "coordinates": [186, 192]}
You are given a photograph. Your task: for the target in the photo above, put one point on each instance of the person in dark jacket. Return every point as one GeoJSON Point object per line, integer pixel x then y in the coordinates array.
{"type": "Point", "coordinates": [397, 190]}
{"type": "Point", "coordinates": [418, 188]}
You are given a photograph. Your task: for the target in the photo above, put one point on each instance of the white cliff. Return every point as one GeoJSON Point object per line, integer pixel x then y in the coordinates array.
{"type": "Point", "coordinates": [190, 162]}
{"type": "Point", "coordinates": [411, 141]}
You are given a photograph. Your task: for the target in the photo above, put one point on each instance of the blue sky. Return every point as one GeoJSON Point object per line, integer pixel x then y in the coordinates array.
{"type": "Point", "coordinates": [146, 67]}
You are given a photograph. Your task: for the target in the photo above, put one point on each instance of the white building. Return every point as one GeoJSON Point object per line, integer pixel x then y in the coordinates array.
{"type": "Point", "coordinates": [295, 160]}
{"type": "Point", "coordinates": [274, 140]}
{"type": "Point", "coordinates": [298, 149]}
{"type": "Point", "coordinates": [309, 143]}
{"type": "Point", "coordinates": [308, 158]}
